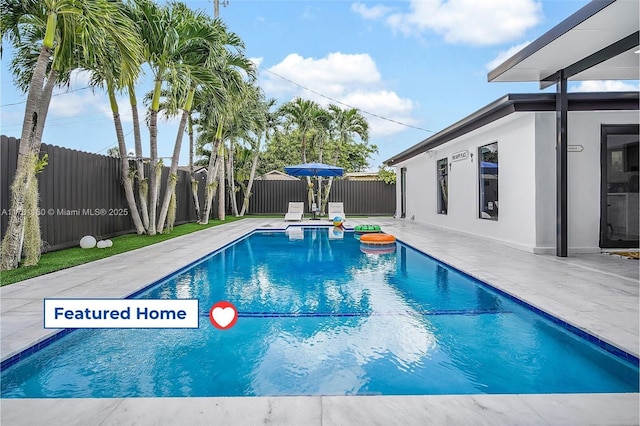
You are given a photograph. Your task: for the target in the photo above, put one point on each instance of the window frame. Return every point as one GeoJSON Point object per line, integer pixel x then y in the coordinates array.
{"type": "Point", "coordinates": [488, 210]}
{"type": "Point", "coordinates": [440, 177]}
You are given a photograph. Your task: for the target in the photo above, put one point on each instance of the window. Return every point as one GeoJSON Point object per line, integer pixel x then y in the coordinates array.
{"type": "Point", "coordinates": [488, 171]}
{"type": "Point", "coordinates": [403, 192]}
{"type": "Point", "coordinates": [443, 186]}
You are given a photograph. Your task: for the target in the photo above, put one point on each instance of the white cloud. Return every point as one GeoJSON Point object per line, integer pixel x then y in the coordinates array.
{"type": "Point", "coordinates": [332, 75]}
{"type": "Point", "coordinates": [370, 13]}
{"type": "Point", "coordinates": [351, 79]}
{"type": "Point", "coordinates": [124, 109]}
{"type": "Point", "coordinates": [79, 79]}
{"type": "Point", "coordinates": [506, 54]}
{"type": "Point", "coordinates": [383, 103]}
{"type": "Point", "coordinates": [72, 104]}
{"type": "Point", "coordinates": [605, 86]}
{"type": "Point", "coordinates": [77, 99]}
{"type": "Point", "coordinates": [475, 22]}
{"type": "Point", "coordinates": [257, 61]}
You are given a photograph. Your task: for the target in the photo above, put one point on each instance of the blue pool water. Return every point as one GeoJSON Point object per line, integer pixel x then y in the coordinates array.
{"type": "Point", "coordinates": [319, 317]}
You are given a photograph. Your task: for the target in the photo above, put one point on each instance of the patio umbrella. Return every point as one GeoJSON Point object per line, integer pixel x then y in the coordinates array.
{"type": "Point", "coordinates": [489, 168]}
{"type": "Point", "coordinates": [314, 169]}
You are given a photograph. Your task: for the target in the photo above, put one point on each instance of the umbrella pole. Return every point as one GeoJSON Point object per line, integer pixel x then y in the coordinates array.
{"type": "Point", "coordinates": [319, 195]}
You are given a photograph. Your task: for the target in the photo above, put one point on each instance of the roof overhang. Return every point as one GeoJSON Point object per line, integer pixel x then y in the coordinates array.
{"type": "Point", "coordinates": [536, 102]}
{"type": "Point", "coordinates": [598, 42]}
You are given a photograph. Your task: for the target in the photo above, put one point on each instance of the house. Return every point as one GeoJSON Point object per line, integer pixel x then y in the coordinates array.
{"type": "Point", "coordinates": [546, 172]}
{"type": "Point", "coordinates": [276, 175]}
{"type": "Point", "coordinates": [196, 169]}
{"type": "Point", "coordinates": [361, 176]}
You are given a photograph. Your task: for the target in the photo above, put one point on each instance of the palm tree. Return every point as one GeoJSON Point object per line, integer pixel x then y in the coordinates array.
{"type": "Point", "coordinates": [301, 114]}
{"type": "Point", "coordinates": [143, 184]}
{"type": "Point", "coordinates": [160, 38]}
{"type": "Point", "coordinates": [107, 72]}
{"type": "Point", "coordinates": [231, 67]}
{"type": "Point", "coordinates": [323, 130]}
{"type": "Point", "coordinates": [200, 40]}
{"type": "Point", "coordinates": [63, 36]}
{"type": "Point", "coordinates": [264, 128]}
{"type": "Point", "coordinates": [135, 15]}
{"type": "Point", "coordinates": [346, 123]}
{"type": "Point", "coordinates": [247, 119]}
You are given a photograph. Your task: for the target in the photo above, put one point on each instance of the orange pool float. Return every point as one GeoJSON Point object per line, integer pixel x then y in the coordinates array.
{"type": "Point", "coordinates": [375, 239]}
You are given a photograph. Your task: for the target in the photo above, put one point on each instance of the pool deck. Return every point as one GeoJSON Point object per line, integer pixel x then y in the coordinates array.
{"type": "Point", "coordinates": [598, 293]}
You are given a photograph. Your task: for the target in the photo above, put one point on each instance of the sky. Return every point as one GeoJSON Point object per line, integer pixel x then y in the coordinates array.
{"type": "Point", "coordinates": [412, 67]}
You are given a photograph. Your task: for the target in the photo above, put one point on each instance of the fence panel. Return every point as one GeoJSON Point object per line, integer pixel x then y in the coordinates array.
{"type": "Point", "coordinates": [82, 194]}
{"type": "Point", "coordinates": [273, 196]}
{"type": "Point", "coordinates": [359, 197]}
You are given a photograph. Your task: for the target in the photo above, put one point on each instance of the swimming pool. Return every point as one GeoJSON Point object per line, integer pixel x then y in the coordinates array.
{"type": "Point", "coordinates": [319, 317]}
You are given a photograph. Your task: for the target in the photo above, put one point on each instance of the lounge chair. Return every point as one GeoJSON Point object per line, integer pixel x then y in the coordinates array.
{"type": "Point", "coordinates": [336, 209]}
{"type": "Point", "coordinates": [295, 233]}
{"type": "Point", "coordinates": [296, 211]}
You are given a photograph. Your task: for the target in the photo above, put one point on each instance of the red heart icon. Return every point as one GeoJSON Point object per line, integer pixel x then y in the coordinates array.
{"type": "Point", "coordinates": [223, 315]}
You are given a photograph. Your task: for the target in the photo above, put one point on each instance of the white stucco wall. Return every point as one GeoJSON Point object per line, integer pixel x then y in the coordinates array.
{"type": "Point", "coordinates": [545, 186]}
{"type": "Point", "coordinates": [516, 184]}
{"type": "Point", "coordinates": [527, 181]}
{"type": "Point", "coordinates": [584, 176]}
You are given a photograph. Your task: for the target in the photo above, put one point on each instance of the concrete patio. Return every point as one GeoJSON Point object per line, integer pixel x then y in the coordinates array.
{"type": "Point", "coordinates": [597, 293]}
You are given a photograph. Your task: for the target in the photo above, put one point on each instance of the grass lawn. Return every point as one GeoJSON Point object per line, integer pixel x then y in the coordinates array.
{"type": "Point", "coordinates": [62, 259]}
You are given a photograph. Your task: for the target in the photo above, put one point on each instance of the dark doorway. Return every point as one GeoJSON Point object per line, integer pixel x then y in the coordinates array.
{"type": "Point", "coordinates": [619, 186]}
{"type": "Point", "coordinates": [403, 192]}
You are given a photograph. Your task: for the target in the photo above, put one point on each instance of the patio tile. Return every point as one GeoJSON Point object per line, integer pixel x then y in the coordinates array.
{"type": "Point", "coordinates": [248, 411]}
{"type": "Point", "coordinates": [54, 412]}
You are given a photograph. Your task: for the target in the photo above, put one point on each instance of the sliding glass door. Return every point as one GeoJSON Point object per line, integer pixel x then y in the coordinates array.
{"type": "Point", "coordinates": [619, 186]}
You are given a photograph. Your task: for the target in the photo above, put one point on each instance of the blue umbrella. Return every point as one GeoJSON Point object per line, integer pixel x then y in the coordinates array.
{"type": "Point", "coordinates": [489, 168]}
{"type": "Point", "coordinates": [314, 169]}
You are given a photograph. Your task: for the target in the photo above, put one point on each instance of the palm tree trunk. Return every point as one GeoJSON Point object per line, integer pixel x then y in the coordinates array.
{"type": "Point", "coordinates": [47, 92]}
{"type": "Point", "coordinates": [173, 172]}
{"type": "Point", "coordinates": [143, 185]}
{"type": "Point", "coordinates": [212, 174]}
{"type": "Point", "coordinates": [153, 147]}
{"type": "Point", "coordinates": [325, 197]}
{"type": "Point", "coordinates": [232, 180]}
{"type": "Point", "coordinates": [194, 182]}
{"type": "Point", "coordinates": [32, 239]}
{"type": "Point", "coordinates": [212, 181]}
{"type": "Point", "coordinates": [252, 175]}
{"type": "Point", "coordinates": [25, 172]}
{"type": "Point", "coordinates": [124, 163]}
{"type": "Point", "coordinates": [304, 161]}
{"type": "Point", "coordinates": [222, 205]}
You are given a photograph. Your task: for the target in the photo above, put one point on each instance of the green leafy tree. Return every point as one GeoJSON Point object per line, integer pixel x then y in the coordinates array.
{"type": "Point", "coordinates": [387, 175]}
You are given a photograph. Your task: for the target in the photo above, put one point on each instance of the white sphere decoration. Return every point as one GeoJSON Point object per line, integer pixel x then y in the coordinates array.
{"type": "Point", "coordinates": [101, 244]}
{"type": "Point", "coordinates": [87, 242]}
{"type": "Point", "coordinates": [109, 243]}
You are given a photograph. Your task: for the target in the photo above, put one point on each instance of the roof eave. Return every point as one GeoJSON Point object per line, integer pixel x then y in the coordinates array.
{"type": "Point", "coordinates": [539, 102]}
{"type": "Point", "coordinates": [563, 27]}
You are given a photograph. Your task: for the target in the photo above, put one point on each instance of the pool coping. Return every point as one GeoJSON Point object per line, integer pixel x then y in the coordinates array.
{"type": "Point", "coordinates": [527, 409]}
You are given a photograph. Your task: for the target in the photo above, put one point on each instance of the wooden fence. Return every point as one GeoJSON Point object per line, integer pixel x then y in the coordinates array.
{"type": "Point", "coordinates": [81, 194]}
